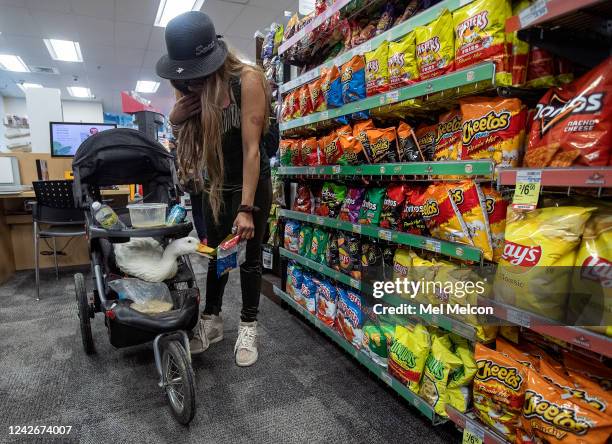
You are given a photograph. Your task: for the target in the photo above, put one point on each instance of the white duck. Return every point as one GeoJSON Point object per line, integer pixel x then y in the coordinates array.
{"type": "Point", "coordinates": [144, 257]}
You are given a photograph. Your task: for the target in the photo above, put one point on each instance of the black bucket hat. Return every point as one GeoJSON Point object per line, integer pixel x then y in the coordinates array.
{"type": "Point", "coordinates": [194, 48]}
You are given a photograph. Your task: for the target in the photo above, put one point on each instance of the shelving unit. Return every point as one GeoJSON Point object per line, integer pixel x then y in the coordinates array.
{"type": "Point", "coordinates": [543, 11]}
{"type": "Point", "coordinates": [585, 177]}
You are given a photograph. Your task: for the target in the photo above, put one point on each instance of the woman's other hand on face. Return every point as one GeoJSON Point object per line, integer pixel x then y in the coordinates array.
{"type": "Point", "coordinates": [184, 108]}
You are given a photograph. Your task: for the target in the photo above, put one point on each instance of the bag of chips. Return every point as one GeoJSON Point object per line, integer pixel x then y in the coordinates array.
{"type": "Point", "coordinates": [305, 239]}
{"type": "Point", "coordinates": [393, 204]}
{"type": "Point", "coordinates": [318, 245]}
{"type": "Point", "coordinates": [303, 199]}
{"type": "Point", "coordinates": [292, 236]}
{"type": "Point", "coordinates": [316, 188]}
{"type": "Point", "coordinates": [330, 149]}
{"type": "Point", "coordinates": [309, 290]}
{"type": "Point", "coordinates": [352, 204]}
{"type": "Point", "coordinates": [408, 354]}
{"type": "Point", "coordinates": [402, 265]}
{"type": "Point", "coordinates": [589, 368]}
{"type": "Point", "coordinates": [332, 196]}
{"type": "Point", "coordinates": [520, 356]}
{"type": "Point", "coordinates": [462, 375]}
{"type": "Point", "coordinates": [326, 302]}
{"type": "Point", "coordinates": [540, 69]}
{"type": "Point", "coordinates": [295, 151]}
{"type": "Point", "coordinates": [470, 202]}
{"type": "Point", "coordinates": [305, 101]}
{"type": "Point", "coordinates": [349, 254]}
{"type": "Point", "coordinates": [435, 46]}
{"type": "Point", "coordinates": [377, 71]}
{"type": "Point", "coordinates": [493, 128]}
{"type": "Point", "coordinates": [349, 317]}
{"type": "Point", "coordinates": [317, 97]}
{"type": "Point", "coordinates": [285, 148]}
{"type": "Point", "coordinates": [287, 109]}
{"type": "Point", "coordinates": [480, 35]}
{"type": "Point", "coordinates": [381, 146]}
{"type": "Point", "coordinates": [535, 268]}
{"type": "Point", "coordinates": [371, 261]}
{"type": "Point", "coordinates": [353, 79]}
{"type": "Point", "coordinates": [572, 124]}
{"type": "Point", "coordinates": [426, 140]}
{"type": "Point", "coordinates": [376, 340]}
{"type": "Point", "coordinates": [360, 132]}
{"type": "Point", "coordinates": [408, 147]}
{"type": "Point", "coordinates": [440, 216]}
{"type": "Point", "coordinates": [332, 255]}
{"type": "Point", "coordinates": [402, 62]}
{"type": "Point", "coordinates": [352, 151]}
{"type": "Point", "coordinates": [331, 86]}
{"type": "Point", "coordinates": [448, 137]}
{"type": "Point", "coordinates": [520, 50]}
{"type": "Point", "coordinates": [294, 281]}
{"type": "Point", "coordinates": [496, 207]}
{"type": "Point", "coordinates": [310, 152]}
{"type": "Point", "coordinates": [499, 390]}
{"type": "Point", "coordinates": [411, 218]}
{"type": "Point", "coordinates": [386, 19]}
{"type": "Point", "coordinates": [369, 214]}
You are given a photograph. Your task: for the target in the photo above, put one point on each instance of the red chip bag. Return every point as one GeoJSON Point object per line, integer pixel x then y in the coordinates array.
{"type": "Point", "coordinates": [303, 199]}
{"type": "Point", "coordinates": [305, 102]}
{"type": "Point", "coordinates": [448, 137]}
{"type": "Point", "coordinates": [310, 152]}
{"type": "Point", "coordinates": [316, 96]}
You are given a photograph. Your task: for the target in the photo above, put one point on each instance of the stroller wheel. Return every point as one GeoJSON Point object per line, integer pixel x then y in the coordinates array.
{"type": "Point", "coordinates": [179, 381]}
{"type": "Point", "coordinates": [85, 313]}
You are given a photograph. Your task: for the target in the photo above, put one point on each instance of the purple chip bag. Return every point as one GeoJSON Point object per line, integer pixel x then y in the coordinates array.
{"type": "Point", "coordinates": [352, 204]}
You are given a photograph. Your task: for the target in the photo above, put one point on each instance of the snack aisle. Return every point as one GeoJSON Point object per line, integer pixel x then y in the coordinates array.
{"type": "Point", "coordinates": [431, 142]}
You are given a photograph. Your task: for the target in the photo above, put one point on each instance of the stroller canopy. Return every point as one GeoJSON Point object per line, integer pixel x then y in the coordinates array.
{"type": "Point", "coordinates": [121, 156]}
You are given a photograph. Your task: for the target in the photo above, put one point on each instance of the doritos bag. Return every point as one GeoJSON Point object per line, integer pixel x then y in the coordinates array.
{"type": "Point", "coordinates": [426, 138]}
{"type": "Point", "coordinates": [470, 202]}
{"type": "Point", "coordinates": [393, 204]}
{"type": "Point", "coordinates": [412, 214]}
{"type": "Point", "coordinates": [407, 144]}
{"type": "Point", "coordinates": [440, 216]}
{"type": "Point", "coordinates": [305, 101]}
{"type": "Point", "coordinates": [353, 79]}
{"type": "Point", "coordinates": [540, 249]}
{"type": "Point", "coordinates": [331, 86]}
{"type": "Point", "coordinates": [493, 128]}
{"type": "Point", "coordinates": [408, 354]}
{"type": "Point", "coordinates": [448, 138]}
{"type": "Point", "coordinates": [402, 62]}
{"type": "Point", "coordinates": [369, 214]}
{"type": "Point", "coordinates": [310, 152]}
{"type": "Point", "coordinates": [381, 146]}
{"type": "Point", "coordinates": [352, 204]}
{"type": "Point", "coordinates": [572, 123]}
{"type": "Point", "coordinates": [317, 97]}
{"type": "Point", "coordinates": [496, 207]}
{"type": "Point", "coordinates": [377, 71]}
{"type": "Point", "coordinates": [330, 148]}
{"type": "Point", "coordinates": [332, 196]}
{"type": "Point", "coordinates": [480, 35]}
{"type": "Point", "coordinates": [435, 46]}
{"type": "Point", "coordinates": [360, 132]}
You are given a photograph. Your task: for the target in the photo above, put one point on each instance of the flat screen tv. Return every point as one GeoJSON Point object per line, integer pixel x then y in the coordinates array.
{"type": "Point", "coordinates": [66, 137]}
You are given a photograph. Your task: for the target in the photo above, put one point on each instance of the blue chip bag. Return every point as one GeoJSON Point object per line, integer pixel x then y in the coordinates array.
{"type": "Point", "coordinates": [331, 86]}
{"type": "Point", "coordinates": [353, 79]}
{"type": "Point", "coordinates": [294, 281]}
{"type": "Point", "coordinates": [326, 302]}
{"type": "Point", "coordinates": [292, 236]}
{"type": "Point", "coordinates": [349, 317]}
{"type": "Point", "coordinates": [308, 293]}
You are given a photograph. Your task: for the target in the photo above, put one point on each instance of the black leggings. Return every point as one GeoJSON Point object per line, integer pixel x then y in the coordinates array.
{"type": "Point", "coordinates": [198, 215]}
{"type": "Point", "coordinates": [250, 271]}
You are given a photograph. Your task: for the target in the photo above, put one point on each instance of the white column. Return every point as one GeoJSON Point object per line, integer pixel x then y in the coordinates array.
{"type": "Point", "coordinates": [44, 105]}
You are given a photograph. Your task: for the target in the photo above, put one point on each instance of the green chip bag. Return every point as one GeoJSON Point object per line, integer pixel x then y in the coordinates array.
{"type": "Point", "coordinates": [305, 239]}
{"type": "Point", "coordinates": [464, 374]}
{"type": "Point", "coordinates": [332, 196]}
{"type": "Point", "coordinates": [369, 214]}
{"type": "Point", "coordinates": [318, 245]}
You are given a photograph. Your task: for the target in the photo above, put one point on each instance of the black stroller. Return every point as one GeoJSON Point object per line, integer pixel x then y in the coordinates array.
{"type": "Point", "coordinates": [118, 157]}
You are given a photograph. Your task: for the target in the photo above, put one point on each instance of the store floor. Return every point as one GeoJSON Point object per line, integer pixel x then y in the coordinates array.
{"type": "Point", "coordinates": [302, 389]}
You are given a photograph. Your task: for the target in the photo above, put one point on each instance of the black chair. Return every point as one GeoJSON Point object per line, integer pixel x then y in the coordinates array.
{"type": "Point", "coordinates": [55, 208]}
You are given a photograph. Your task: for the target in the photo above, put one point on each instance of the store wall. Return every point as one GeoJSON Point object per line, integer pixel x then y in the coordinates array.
{"type": "Point", "coordinates": [15, 105]}
{"type": "Point", "coordinates": [43, 106]}
{"type": "Point", "coordinates": [2, 141]}
{"type": "Point", "coordinates": [88, 112]}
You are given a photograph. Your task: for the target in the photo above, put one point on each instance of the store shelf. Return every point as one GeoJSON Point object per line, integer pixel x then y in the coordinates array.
{"type": "Point", "coordinates": [323, 269]}
{"type": "Point", "coordinates": [465, 169]}
{"type": "Point", "coordinates": [467, 421]}
{"type": "Point", "coordinates": [380, 372]}
{"type": "Point", "coordinates": [575, 337]}
{"type": "Point", "coordinates": [474, 74]}
{"type": "Point", "coordinates": [452, 249]}
{"type": "Point", "coordinates": [395, 33]}
{"type": "Point", "coordinates": [546, 10]}
{"type": "Point", "coordinates": [592, 177]}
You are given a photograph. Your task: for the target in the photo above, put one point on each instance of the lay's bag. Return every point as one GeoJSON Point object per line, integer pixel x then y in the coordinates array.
{"type": "Point", "coordinates": [402, 62]}
{"type": "Point", "coordinates": [435, 46]}
{"type": "Point", "coordinates": [377, 70]}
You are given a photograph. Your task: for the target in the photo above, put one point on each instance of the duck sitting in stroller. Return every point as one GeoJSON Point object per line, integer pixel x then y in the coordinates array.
{"type": "Point", "coordinates": [119, 157]}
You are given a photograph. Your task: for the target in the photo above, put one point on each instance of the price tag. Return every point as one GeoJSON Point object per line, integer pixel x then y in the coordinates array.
{"type": "Point", "coordinates": [392, 96]}
{"type": "Point", "coordinates": [386, 377]}
{"type": "Point", "coordinates": [433, 245]}
{"type": "Point", "coordinates": [320, 220]}
{"type": "Point", "coordinates": [472, 433]}
{"type": "Point", "coordinates": [527, 189]}
{"type": "Point", "coordinates": [366, 47]}
{"type": "Point", "coordinates": [336, 169]}
{"type": "Point", "coordinates": [385, 234]}
{"type": "Point", "coordinates": [532, 13]}
{"type": "Point", "coordinates": [357, 228]}
{"type": "Point", "coordinates": [307, 119]}
{"type": "Point", "coordinates": [518, 317]}
{"type": "Point", "coordinates": [382, 100]}
{"type": "Point", "coordinates": [355, 283]}
{"type": "Point", "coordinates": [324, 115]}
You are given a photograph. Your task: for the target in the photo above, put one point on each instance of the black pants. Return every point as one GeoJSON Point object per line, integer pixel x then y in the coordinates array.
{"type": "Point", "coordinates": [250, 271]}
{"type": "Point", "coordinates": [198, 215]}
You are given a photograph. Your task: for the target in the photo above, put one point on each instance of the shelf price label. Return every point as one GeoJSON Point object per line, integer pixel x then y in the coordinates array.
{"type": "Point", "coordinates": [355, 283]}
{"type": "Point", "coordinates": [324, 115]}
{"type": "Point", "coordinates": [518, 317]}
{"type": "Point", "coordinates": [472, 433]}
{"type": "Point", "coordinates": [532, 13]}
{"type": "Point", "coordinates": [433, 245]}
{"type": "Point", "coordinates": [357, 228]}
{"type": "Point", "coordinates": [527, 191]}
{"type": "Point", "coordinates": [392, 96]}
{"type": "Point", "coordinates": [385, 235]}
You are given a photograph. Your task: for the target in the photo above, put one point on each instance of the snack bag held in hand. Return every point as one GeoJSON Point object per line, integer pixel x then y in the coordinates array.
{"type": "Point", "coordinates": [407, 144]}
{"type": "Point", "coordinates": [408, 354]}
{"type": "Point", "coordinates": [435, 46]}
{"type": "Point", "coordinates": [231, 254]}
{"type": "Point", "coordinates": [377, 71]}
{"type": "Point", "coordinates": [353, 79]}
{"type": "Point", "coordinates": [402, 62]}
{"type": "Point", "coordinates": [331, 86]}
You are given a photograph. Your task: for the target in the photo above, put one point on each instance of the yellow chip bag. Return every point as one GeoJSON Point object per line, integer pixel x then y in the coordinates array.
{"type": "Point", "coordinates": [440, 363]}
{"type": "Point", "coordinates": [440, 216]}
{"type": "Point", "coordinates": [458, 397]}
{"type": "Point", "coordinates": [408, 354]}
{"type": "Point", "coordinates": [496, 207]}
{"type": "Point", "coordinates": [402, 263]}
{"type": "Point", "coordinates": [480, 35]}
{"type": "Point", "coordinates": [435, 46]}
{"type": "Point", "coordinates": [464, 374]}
{"type": "Point", "coordinates": [402, 62]}
{"type": "Point", "coordinates": [423, 270]}
{"type": "Point", "coordinates": [448, 139]}
{"type": "Point", "coordinates": [377, 70]}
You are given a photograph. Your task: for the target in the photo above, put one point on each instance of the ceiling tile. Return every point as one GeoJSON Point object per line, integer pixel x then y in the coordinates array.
{"type": "Point", "coordinates": [274, 5]}
{"type": "Point", "coordinates": [93, 31]}
{"type": "Point", "coordinates": [151, 58]}
{"type": "Point", "coordinates": [132, 35]}
{"type": "Point", "coordinates": [56, 26]}
{"type": "Point", "coordinates": [242, 46]}
{"type": "Point", "coordinates": [137, 11]}
{"type": "Point", "coordinates": [95, 55]}
{"type": "Point", "coordinates": [49, 5]}
{"type": "Point", "coordinates": [250, 20]}
{"type": "Point", "coordinates": [31, 49]}
{"type": "Point", "coordinates": [102, 9]}
{"type": "Point", "coordinates": [129, 57]}
{"type": "Point", "coordinates": [157, 41]}
{"type": "Point", "coordinates": [221, 13]}
{"type": "Point", "coordinates": [18, 21]}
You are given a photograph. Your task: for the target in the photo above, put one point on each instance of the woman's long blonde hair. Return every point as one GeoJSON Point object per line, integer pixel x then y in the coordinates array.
{"type": "Point", "coordinates": [199, 139]}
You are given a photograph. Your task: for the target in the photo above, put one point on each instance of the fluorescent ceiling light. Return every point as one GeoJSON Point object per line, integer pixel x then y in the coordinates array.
{"type": "Point", "coordinates": [79, 91]}
{"type": "Point", "coordinates": [25, 85]}
{"type": "Point", "coordinates": [146, 86]}
{"type": "Point", "coordinates": [10, 62]}
{"type": "Point", "coordinates": [64, 50]}
{"type": "Point", "coordinates": [168, 9]}
{"type": "Point", "coordinates": [306, 6]}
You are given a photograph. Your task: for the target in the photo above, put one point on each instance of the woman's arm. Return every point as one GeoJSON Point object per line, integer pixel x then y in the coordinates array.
{"type": "Point", "coordinates": [253, 111]}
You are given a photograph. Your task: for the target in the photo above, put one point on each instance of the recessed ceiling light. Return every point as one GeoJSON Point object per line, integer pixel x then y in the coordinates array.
{"type": "Point", "coordinates": [146, 86]}
{"type": "Point", "coordinates": [10, 62]}
{"type": "Point", "coordinates": [64, 50]}
{"type": "Point", "coordinates": [25, 85]}
{"type": "Point", "coordinates": [80, 91]}
{"type": "Point", "coordinates": [168, 9]}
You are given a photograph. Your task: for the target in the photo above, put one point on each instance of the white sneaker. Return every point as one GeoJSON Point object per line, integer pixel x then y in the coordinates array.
{"type": "Point", "coordinates": [245, 349]}
{"type": "Point", "coordinates": [208, 331]}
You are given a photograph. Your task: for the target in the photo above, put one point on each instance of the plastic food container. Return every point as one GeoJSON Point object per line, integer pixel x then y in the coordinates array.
{"type": "Point", "coordinates": [146, 215]}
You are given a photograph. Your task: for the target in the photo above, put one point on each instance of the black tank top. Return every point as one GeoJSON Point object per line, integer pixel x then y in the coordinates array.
{"type": "Point", "coordinates": [231, 141]}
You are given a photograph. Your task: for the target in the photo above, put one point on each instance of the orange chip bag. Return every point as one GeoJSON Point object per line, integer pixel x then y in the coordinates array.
{"type": "Point", "coordinates": [448, 138]}
{"type": "Point", "coordinates": [511, 351]}
{"type": "Point", "coordinates": [549, 415]}
{"type": "Point", "coordinates": [285, 148]}
{"type": "Point", "coordinates": [469, 200]}
{"type": "Point", "coordinates": [499, 390]}
{"type": "Point", "coordinates": [435, 46]}
{"type": "Point", "coordinates": [493, 128]}
{"type": "Point", "coordinates": [316, 96]}
{"type": "Point", "coordinates": [588, 368]}
{"type": "Point", "coordinates": [360, 132]}
{"type": "Point", "coordinates": [345, 130]}
{"type": "Point", "coordinates": [496, 207]}
{"type": "Point", "coordinates": [352, 150]}
{"type": "Point", "coordinates": [288, 107]}
{"type": "Point", "coordinates": [305, 102]}
{"type": "Point", "coordinates": [407, 144]}
{"type": "Point", "coordinates": [310, 152]}
{"type": "Point", "coordinates": [330, 149]}
{"type": "Point", "coordinates": [440, 216]}
{"type": "Point", "coordinates": [381, 146]}
{"type": "Point", "coordinates": [426, 138]}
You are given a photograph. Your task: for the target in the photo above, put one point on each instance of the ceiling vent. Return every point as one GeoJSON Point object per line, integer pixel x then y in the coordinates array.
{"type": "Point", "coordinates": [44, 70]}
